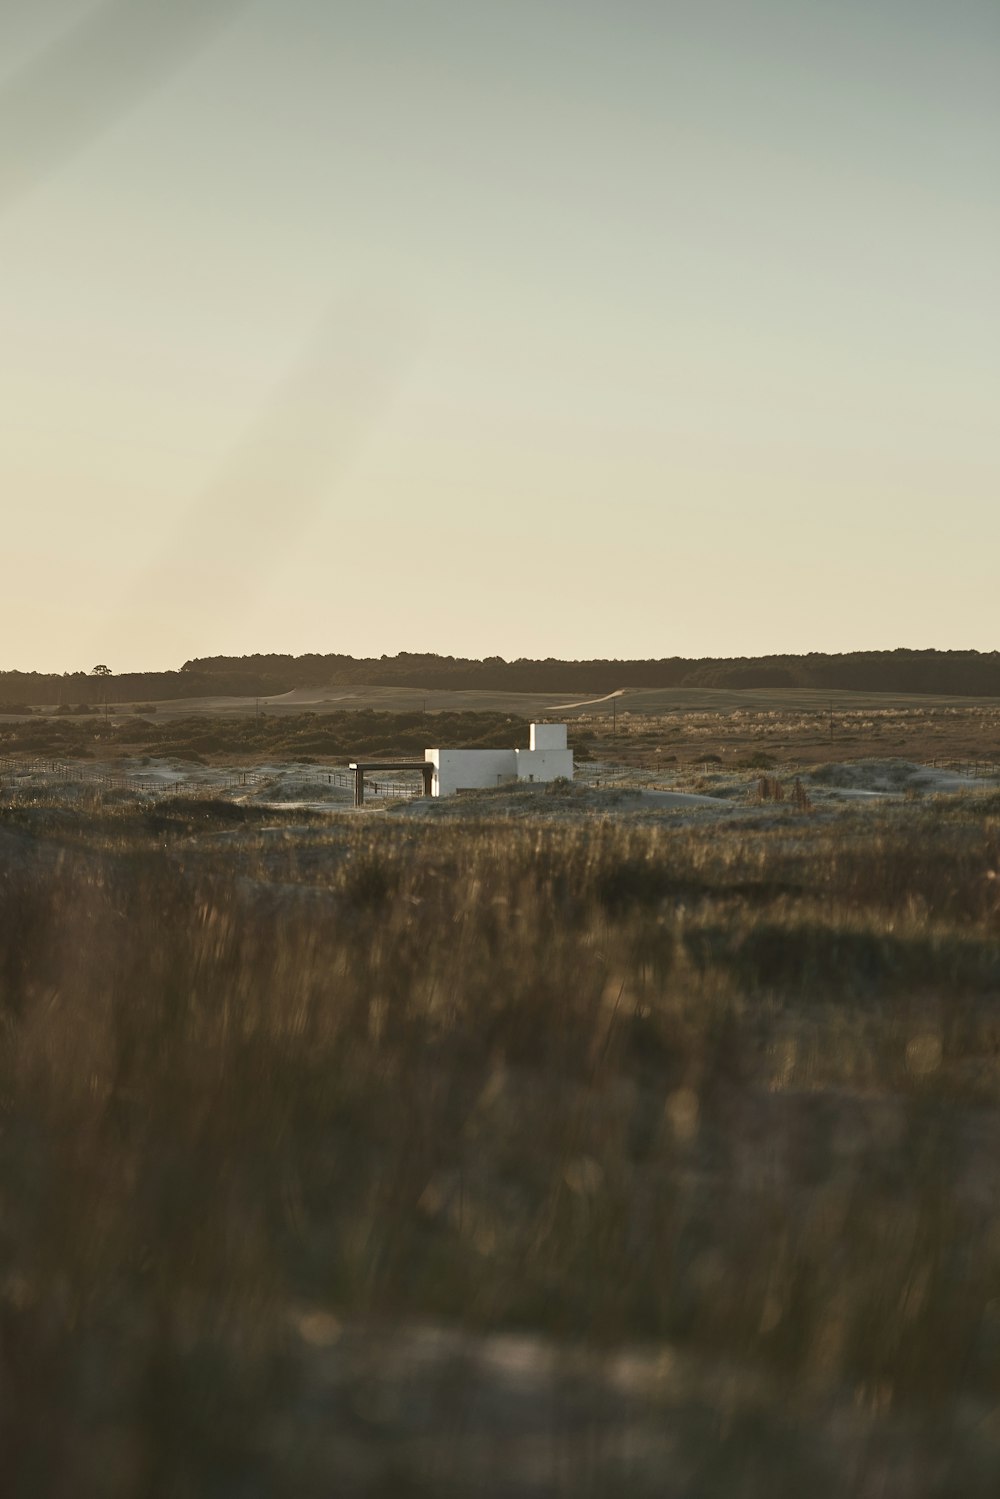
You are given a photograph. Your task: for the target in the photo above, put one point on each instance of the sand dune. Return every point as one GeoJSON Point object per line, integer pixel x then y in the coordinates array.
{"type": "Point", "coordinates": [652, 700]}
{"type": "Point", "coordinates": [307, 695]}
{"type": "Point", "coordinates": [683, 799]}
{"type": "Point", "coordinates": [588, 702]}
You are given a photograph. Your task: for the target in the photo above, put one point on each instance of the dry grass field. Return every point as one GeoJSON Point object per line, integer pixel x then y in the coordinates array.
{"type": "Point", "coordinates": [371, 1156]}
{"type": "Point", "coordinates": [644, 702]}
{"type": "Point", "coordinates": [799, 736]}
{"type": "Point", "coordinates": [739, 730]}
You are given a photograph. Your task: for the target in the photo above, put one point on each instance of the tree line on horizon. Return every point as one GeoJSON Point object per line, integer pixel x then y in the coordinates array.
{"type": "Point", "coordinates": [967, 673]}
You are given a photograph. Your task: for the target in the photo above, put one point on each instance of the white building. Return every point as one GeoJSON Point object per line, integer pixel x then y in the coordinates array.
{"type": "Point", "coordinates": [546, 758]}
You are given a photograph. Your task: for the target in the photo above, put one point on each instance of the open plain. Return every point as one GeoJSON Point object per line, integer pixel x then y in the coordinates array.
{"type": "Point", "coordinates": [635, 1135]}
{"type": "Point", "coordinates": [646, 728]}
{"type": "Point", "coordinates": [499, 750]}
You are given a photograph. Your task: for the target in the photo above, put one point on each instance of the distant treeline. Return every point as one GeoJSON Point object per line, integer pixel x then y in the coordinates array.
{"type": "Point", "coordinates": [971, 673]}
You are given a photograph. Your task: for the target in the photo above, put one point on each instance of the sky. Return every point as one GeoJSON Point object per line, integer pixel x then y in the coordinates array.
{"type": "Point", "coordinates": [576, 328]}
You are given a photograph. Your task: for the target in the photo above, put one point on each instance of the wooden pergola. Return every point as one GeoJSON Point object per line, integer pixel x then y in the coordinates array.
{"type": "Point", "coordinates": [362, 768]}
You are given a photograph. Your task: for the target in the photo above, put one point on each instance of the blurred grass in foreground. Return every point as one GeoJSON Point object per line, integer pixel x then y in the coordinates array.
{"type": "Point", "coordinates": [281, 1108]}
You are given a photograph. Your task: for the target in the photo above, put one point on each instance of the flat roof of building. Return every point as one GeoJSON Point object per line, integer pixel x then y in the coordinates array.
{"type": "Point", "coordinates": [388, 764]}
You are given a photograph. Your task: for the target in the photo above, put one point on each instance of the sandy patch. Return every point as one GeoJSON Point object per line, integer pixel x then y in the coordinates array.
{"type": "Point", "coordinates": [894, 777]}
{"type": "Point", "coordinates": [310, 695]}
{"type": "Point", "coordinates": [588, 702]}
{"type": "Point", "coordinates": [681, 799]}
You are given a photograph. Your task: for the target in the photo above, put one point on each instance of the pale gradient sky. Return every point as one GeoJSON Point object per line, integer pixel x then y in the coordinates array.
{"type": "Point", "coordinates": [603, 328]}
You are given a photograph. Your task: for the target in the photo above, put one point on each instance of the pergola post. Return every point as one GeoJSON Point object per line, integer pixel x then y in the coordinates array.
{"type": "Point", "coordinates": [359, 787]}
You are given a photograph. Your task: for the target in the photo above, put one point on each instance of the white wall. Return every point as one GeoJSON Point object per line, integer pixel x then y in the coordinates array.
{"type": "Point", "coordinates": [548, 736]}
{"type": "Point", "coordinates": [461, 770]}
{"type": "Point", "coordinates": [544, 764]}
{"type": "Point", "coordinates": [471, 770]}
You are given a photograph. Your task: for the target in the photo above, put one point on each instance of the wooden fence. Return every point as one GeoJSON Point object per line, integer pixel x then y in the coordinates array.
{"type": "Point", "coordinates": [15, 769]}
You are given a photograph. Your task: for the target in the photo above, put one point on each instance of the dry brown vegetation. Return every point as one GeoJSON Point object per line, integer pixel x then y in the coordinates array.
{"type": "Point", "coordinates": [253, 739]}
{"type": "Point", "coordinates": [723, 1098]}
{"type": "Point", "coordinates": [741, 738]}
{"type": "Point", "coordinates": [758, 737]}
